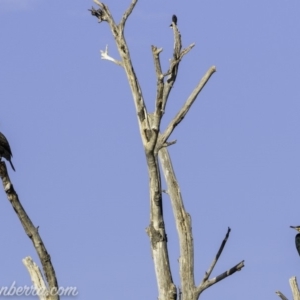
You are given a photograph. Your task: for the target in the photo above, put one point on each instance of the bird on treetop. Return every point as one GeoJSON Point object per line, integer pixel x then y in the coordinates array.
{"type": "Point", "coordinates": [297, 238]}
{"type": "Point", "coordinates": [174, 20]}
{"type": "Point", "coordinates": [5, 150]}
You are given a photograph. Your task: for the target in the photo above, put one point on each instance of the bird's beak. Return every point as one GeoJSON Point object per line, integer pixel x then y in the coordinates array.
{"type": "Point", "coordinates": [296, 228]}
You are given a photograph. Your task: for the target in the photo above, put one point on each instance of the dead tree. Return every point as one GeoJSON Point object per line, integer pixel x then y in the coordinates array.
{"type": "Point", "coordinates": [155, 145]}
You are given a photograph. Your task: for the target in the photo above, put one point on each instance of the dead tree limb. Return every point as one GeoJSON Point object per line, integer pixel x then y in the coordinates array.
{"type": "Point", "coordinates": [184, 229]}
{"type": "Point", "coordinates": [186, 107]}
{"type": "Point", "coordinates": [211, 268]}
{"type": "Point", "coordinates": [155, 145]}
{"type": "Point", "coordinates": [149, 129]}
{"type": "Point", "coordinates": [281, 296]}
{"type": "Point", "coordinates": [183, 225]}
{"type": "Point", "coordinates": [294, 288]}
{"type": "Point", "coordinates": [31, 231]}
{"type": "Point", "coordinates": [36, 278]}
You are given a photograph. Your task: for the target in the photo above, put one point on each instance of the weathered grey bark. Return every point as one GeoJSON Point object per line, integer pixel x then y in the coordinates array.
{"type": "Point", "coordinates": [294, 288]}
{"type": "Point", "coordinates": [184, 229]}
{"type": "Point", "coordinates": [31, 231]}
{"type": "Point", "coordinates": [155, 144]}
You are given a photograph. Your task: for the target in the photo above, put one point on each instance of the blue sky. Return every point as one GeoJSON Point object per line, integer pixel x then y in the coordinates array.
{"type": "Point", "coordinates": [80, 167]}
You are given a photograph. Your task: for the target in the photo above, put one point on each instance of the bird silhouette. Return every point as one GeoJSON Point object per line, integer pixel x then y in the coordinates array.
{"type": "Point", "coordinates": [297, 238]}
{"type": "Point", "coordinates": [5, 150]}
{"type": "Point", "coordinates": [174, 20]}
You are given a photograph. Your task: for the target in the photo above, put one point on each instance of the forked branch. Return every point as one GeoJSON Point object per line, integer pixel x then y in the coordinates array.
{"type": "Point", "coordinates": [141, 110]}
{"type": "Point", "coordinates": [211, 268]}
{"type": "Point", "coordinates": [186, 107]}
{"type": "Point", "coordinates": [206, 282]}
{"type": "Point", "coordinates": [220, 277]}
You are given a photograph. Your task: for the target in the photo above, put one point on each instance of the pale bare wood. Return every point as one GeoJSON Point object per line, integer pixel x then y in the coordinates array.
{"type": "Point", "coordinates": [36, 278]}
{"type": "Point", "coordinates": [281, 296]}
{"type": "Point", "coordinates": [149, 134]}
{"type": "Point", "coordinates": [294, 288]}
{"type": "Point", "coordinates": [155, 144]}
{"type": "Point", "coordinates": [183, 225]}
{"type": "Point", "coordinates": [184, 229]}
{"type": "Point", "coordinates": [186, 107]}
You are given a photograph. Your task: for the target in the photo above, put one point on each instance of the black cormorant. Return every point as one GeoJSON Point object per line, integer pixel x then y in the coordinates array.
{"type": "Point", "coordinates": [5, 150]}
{"type": "Point", "coordinates": [297, 238]}
{"type": "Point", "coordinates": [174, 20]}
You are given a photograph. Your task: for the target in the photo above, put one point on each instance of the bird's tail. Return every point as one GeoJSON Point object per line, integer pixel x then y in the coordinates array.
{"type": "Point", "coordinates": [12, 165]}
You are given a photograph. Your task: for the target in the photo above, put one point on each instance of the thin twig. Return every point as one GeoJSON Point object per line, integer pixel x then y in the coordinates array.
{"type": "Point", "coordinates": [177, 61]}
{"type": "Point", "coordinates": [167, 144]}
{"type": "Point", "coordinates": [99, 3]}
{"type": "Point", "coordinates": [281, 296]}
{"type": "Point", "coordinates": [214, 262]}
{"type": "Point", "coordinates": [104, 55]}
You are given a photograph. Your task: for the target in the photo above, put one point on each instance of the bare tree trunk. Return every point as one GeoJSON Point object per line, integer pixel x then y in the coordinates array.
{"type": "Point", "coordinates": [155, 144]}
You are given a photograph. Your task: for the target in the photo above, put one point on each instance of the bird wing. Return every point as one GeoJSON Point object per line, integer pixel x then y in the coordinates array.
{"type": "Point", "coordinates": [297, 241]}
{"type": "Point", "coordinates": [5, 144]}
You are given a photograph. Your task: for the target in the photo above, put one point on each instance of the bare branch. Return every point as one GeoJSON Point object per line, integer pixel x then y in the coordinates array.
{"type": "Point", "coordinates": [183, 225]}
{"type": "Point", "coordinates": [104, 55]}
{"type": "Point", "coordinates": [281, 296]}
{"type": "Point", "coordinates": [149, 134]}
{"type": "Point", "coordinates": [186, 107]}
{"type": "Point", "coordinates": [208, 283]}
{"type": "Point", "coordinates": [160, 87]}
{"type": "Point", "coordinates": [167, 144]}
{"type": "Point", "coordinates": [174, 63]}
{"type": "Point", "coordinates": [36, 278]}
{"type": "Point", "coordinates": [146, 133]}
{"type": "Point", "coordinates": [104, 14]}
{"type": "Point", "coordinates": [127, 14]}
{"type": "Point", "coordinates": [211, 268]}
{"type": "Point", "coordinates": [155, 52]}
{"type": "Point", "coordinates": [30, 230]}
{"type": "Point", "coordinates": [186, 50]}
{"type": "Point", "coordinates": [294, 288]}
{"type": "Point", "coordinates": [99, 3]}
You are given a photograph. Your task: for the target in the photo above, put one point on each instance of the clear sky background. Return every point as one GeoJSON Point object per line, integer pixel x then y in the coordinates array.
{"type": "Point", "coordinates": [80, 168]}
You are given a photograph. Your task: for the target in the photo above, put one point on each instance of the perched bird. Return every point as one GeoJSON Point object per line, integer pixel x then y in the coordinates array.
{"type": "Point", "coordinates": [297, 238]}
{"type": "Point", "coordinates": [174, 20]}
{"type": "Point", "coordinates": [5, 150]}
